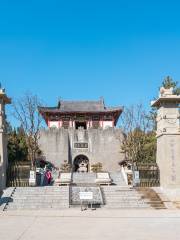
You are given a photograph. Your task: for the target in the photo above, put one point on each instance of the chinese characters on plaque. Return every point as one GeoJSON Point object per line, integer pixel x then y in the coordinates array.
{"type": "Point", "coordinates": [80, 145]}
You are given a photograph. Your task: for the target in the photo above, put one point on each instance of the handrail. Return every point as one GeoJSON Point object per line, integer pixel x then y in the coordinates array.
{"type": "Point", "coordinates": [124, 174]}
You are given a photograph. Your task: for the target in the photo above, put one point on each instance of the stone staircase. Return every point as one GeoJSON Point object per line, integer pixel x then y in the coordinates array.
{"type": "Point", "coordinates": [49, 197]}
{"type": "Point", "coordinates": [119, 197]}
{"type": "Point", "coordinates": [83, 178]}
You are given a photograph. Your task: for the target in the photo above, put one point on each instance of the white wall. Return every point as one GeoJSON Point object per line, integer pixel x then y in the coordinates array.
{"type": "Point", "coordinates": [107, 124]}
{"type": "Point", "coordinates": [54, 124]}
{"type": "Point", "coordinates": [58, 124]}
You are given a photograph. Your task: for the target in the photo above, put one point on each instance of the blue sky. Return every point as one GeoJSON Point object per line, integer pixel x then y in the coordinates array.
{"type": "Point", "coordinates": [121, 50]}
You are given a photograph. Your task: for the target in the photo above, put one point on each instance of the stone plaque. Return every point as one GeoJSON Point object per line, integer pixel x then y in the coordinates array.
{"type": "Point", "coordinates": [80, 145]}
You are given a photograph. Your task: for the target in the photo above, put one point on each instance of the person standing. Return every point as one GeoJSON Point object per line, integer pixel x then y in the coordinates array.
{"type": "Point", "coordinates": [48, 176]}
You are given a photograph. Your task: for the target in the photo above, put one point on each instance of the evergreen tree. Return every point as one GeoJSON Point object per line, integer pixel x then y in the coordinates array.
{"type": "Point", "coordinates": [168, 82]}
{"type": "Point", "coordinates": [17, 147]}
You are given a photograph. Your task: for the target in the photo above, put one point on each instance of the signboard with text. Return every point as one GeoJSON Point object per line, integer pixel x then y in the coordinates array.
{"type": "Point", "coordinates": [86, 195]}
{"type": "Point", "coordinates": [80, 145]}
{"type": "Point", "coordinates": [136, 177]}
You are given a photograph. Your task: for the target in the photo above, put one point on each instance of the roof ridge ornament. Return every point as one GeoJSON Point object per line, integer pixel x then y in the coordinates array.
{"type": "Point", "coordinates": [59, 101]}
{"type": "Point", "coordinates": [102, 101]}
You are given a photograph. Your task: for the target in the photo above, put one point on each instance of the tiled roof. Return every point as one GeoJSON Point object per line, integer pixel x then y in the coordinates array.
{"type": "Point", "coordinates": [80, 106]}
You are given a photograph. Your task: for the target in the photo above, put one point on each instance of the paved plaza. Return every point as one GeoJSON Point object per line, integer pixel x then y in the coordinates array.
{"type": "Point", "coordinates": [98, 224]}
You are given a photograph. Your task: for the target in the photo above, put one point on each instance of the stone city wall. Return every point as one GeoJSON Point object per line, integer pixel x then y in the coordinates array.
{"type": "Point", "coordinates": [104, 146]}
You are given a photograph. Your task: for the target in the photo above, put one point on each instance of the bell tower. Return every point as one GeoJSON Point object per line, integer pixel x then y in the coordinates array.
{"type": "Point", "coordinates": [168, 137]}
{"type": "Point", "coordinates": [3, 138]}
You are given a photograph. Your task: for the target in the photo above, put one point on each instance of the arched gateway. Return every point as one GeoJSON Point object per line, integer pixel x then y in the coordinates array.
{"type": "Point", "coordinates": [78, 128]}
{"type": "Point", "coordinates": [81, 164]}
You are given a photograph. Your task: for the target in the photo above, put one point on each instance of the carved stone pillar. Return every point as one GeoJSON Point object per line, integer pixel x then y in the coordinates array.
{"type": "Point", "coordinates": [3, 138]}
{"type": "Point", "coordinates": [168, 138]}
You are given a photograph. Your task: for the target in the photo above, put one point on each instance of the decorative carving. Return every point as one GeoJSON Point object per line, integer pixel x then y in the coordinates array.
{"type": "Point", "coordinates": [83, 166]}
{"type": "Point", "coordinates": [165, 92]}
{"type": "Point", "coordinates": [81, 163]}
{"type": "Point", "coordinates": [168, 136]}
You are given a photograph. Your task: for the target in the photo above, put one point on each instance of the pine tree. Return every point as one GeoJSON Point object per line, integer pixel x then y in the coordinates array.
{"type": "Point", "coordinates": [168, 82]}
{"type": "Point", "coordinates": [17, 148]}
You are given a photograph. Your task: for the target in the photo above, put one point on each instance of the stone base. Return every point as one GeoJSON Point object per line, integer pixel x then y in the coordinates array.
{"type": "Point", "coordinates": [172, 194]}
{"type": "Point", "coordinates": [32, 182]}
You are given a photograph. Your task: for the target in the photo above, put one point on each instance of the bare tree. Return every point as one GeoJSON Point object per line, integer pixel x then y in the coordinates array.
{"type": "Point", "coordinates": [25, 110]}
{"type": "Point", "coordinates": [135, 124]}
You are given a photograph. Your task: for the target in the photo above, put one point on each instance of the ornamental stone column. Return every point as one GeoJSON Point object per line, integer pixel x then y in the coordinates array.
{"type": "Point", "coordinates": [3, 138]}
{"type": "Point", "coordinates": [168, 137]}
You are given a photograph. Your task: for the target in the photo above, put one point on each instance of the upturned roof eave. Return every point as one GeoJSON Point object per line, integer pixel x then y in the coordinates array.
{"type": "Point", "coordinates": [117, 112]}
{"type": "Point", "coordinates": [6, 99]}
{"type": "Point", "coordinates": [43, 110]}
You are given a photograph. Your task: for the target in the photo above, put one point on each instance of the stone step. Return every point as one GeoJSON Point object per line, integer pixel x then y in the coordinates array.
{"type": "Point", "coordinates": [126, 206]}
{"type": "Point", "coordinates": [17, 207]}
{"type": "Point", "coordinates": [38, 204]}
{"type": "Point", "coordinates": [39, 198]}
{"type": "Point", "coordinates": [41, 190]}
{"type": "Point", "coordinates": [124, 198]}
{"type": "Point", "coordinates": [41, 194]}
{"type": "Point", "coordinates": [32, 201]}
{"type": "Point", "coordinates": [118, 197]}
{"type": "Point", "coordinates": [122, 195]}
{"type": "Point", "coordinates": [127, 201]}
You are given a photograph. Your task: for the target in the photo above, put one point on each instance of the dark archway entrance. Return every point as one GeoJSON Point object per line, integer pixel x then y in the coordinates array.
{"type": "Point", "coordinates": [80, 124]}
{"type": "Point", "coordinates": [81, 164]}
